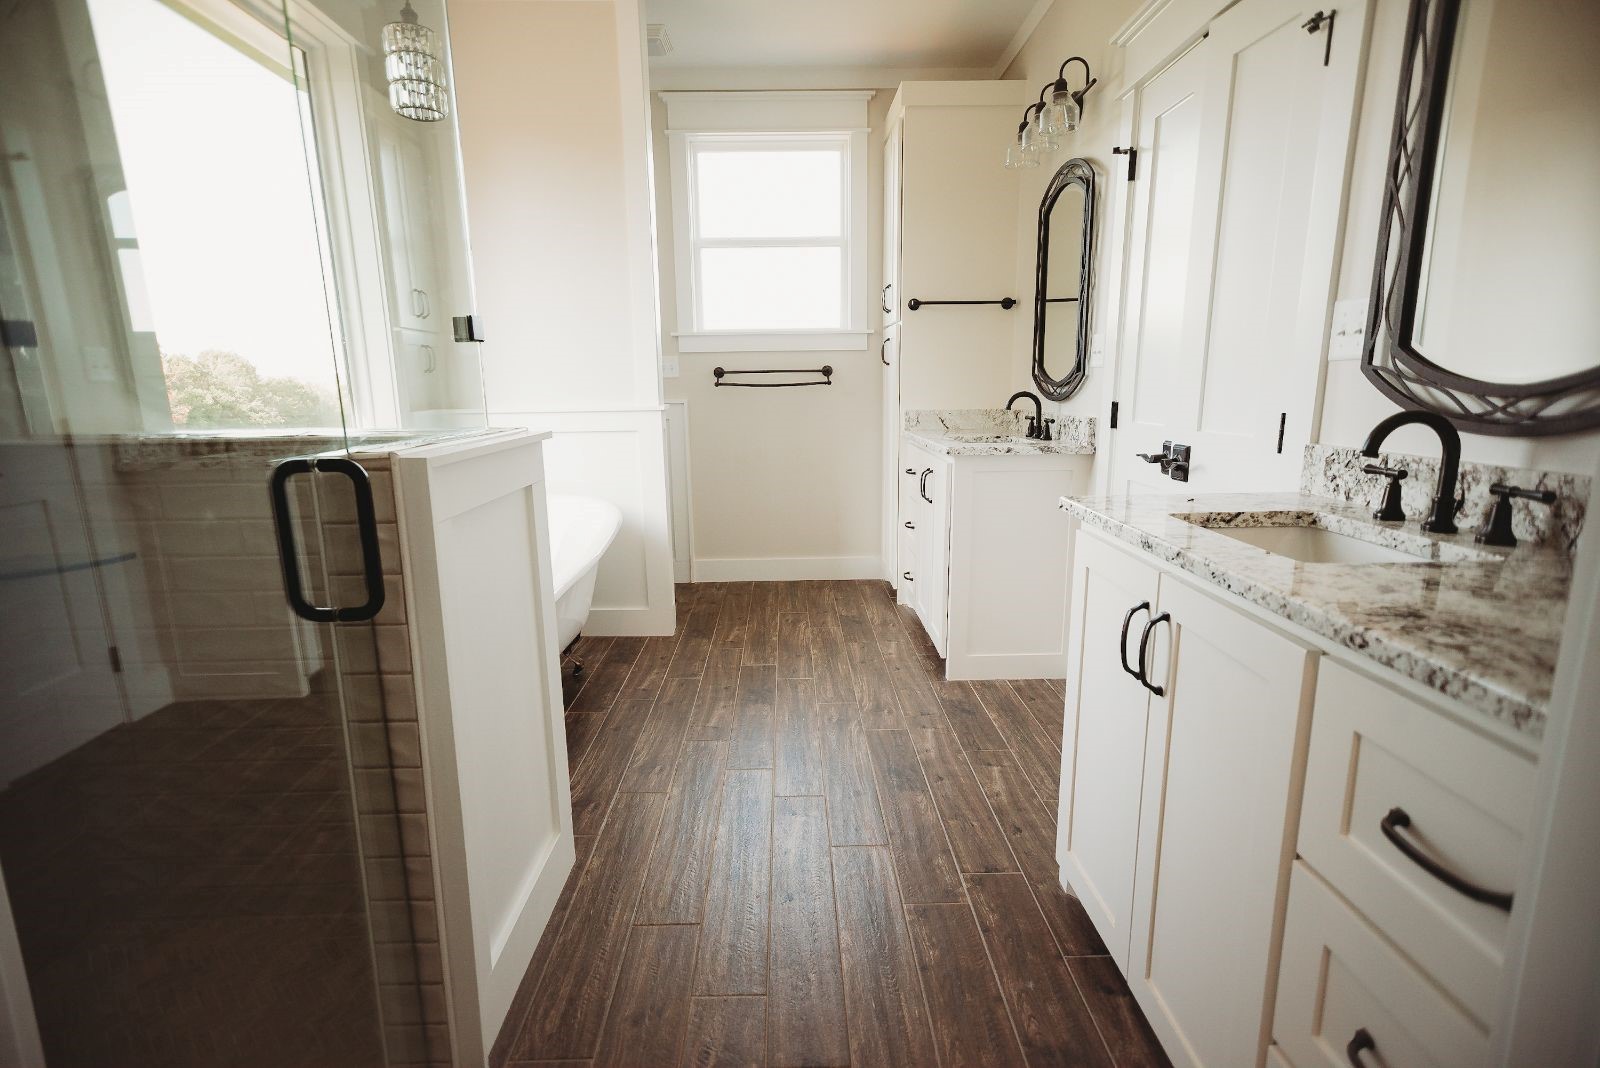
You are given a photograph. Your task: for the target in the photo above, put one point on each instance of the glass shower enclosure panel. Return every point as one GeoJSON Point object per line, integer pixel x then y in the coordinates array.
{"type": "Point", "coordinates": [227, 265]}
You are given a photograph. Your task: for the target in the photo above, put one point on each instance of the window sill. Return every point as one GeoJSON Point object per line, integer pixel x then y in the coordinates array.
{"type": "Point", "coordinates": [775, 341]}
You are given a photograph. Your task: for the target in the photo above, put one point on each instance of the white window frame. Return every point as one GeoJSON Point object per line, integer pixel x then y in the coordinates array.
{"type": "Point", "coordinates": [768, 122]}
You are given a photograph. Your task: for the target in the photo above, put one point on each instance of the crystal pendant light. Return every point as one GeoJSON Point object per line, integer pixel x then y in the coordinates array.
{"type": "Point", "coordinates": [412, 63]}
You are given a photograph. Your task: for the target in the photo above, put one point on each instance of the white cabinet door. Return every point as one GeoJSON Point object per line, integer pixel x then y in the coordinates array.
{"type": "Point", "coordinates": [1230, 286]}
{"type": "Point", "coordinates": [934, 551]}
{"type": "Point", "coordinates": [1224, 755]}
{"type": "Point", "coordinates": [1113, 592]}
{"type": "Point", "coordinates": [889, 300]}
{"type": "Point", "coordinates": [893, 523]}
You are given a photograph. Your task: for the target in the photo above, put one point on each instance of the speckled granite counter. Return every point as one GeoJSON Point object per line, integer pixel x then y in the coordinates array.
{"type": "Point", "coordinates": [1480, 626]}
{"type": "Point", "coordinates": [994, 432]}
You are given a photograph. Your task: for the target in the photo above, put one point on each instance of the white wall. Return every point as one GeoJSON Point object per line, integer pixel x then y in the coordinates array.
{"type": "Point", "coordinates": [555, 148]}
{"type": "Point", "coordinates": [1350, 405]}
{"type": "Point", "coordinates": [786, 481]}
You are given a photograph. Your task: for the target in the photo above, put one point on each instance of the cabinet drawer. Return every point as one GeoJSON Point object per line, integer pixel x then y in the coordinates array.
{"type": "Point", "coordinates": [1455, 797]}
{"type": "Point", "coordinates": [1340, 979]}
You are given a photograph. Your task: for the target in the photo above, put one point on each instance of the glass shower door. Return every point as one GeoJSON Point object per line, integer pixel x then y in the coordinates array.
{"type": "Point", "coordinates": [211, 803]}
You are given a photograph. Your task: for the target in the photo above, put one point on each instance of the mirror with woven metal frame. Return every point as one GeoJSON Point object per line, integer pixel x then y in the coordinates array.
{"type": "Point", "coordinates": [1063, 283]}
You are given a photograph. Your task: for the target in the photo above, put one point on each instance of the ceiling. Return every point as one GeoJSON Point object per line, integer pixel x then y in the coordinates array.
{"type": "Point", "coordinates": [797, 35]}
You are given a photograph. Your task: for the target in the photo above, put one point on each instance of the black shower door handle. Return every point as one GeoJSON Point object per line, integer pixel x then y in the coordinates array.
{"type": "Point", "coordinates": [366, 526]}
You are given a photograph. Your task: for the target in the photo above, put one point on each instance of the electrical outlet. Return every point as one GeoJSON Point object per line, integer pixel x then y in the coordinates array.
{"type": "Point", "coordinates": [1349, 330]}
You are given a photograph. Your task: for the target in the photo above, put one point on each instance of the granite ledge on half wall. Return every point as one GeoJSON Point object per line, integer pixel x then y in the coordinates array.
{"type": "Point", "coordinates": [941, 431]}
{"type": "Point", "coordinates": [1482, 627]}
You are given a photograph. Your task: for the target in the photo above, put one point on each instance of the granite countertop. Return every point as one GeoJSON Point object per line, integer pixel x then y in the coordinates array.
{"type": "Point", "coordinates": [994, 432]}
{"type": "Point", "coordinates": [1482, 626]}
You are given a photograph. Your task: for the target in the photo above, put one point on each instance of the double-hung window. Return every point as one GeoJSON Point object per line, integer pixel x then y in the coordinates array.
{"type": "Point", "coordinates": [769, 229]}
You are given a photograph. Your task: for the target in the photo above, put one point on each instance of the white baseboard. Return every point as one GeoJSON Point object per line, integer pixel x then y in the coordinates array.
{"type": "Point", "coordinates": [786, 568]}
{"type": "Point", "coordinates": [631, 622]}
{"type": "Point", "coordinates": [962, 668]}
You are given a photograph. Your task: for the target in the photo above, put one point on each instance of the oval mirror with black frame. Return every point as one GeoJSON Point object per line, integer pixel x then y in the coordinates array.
{"type": "Point", "coordinates": [1483, 299]}
{"type": "Point", "coordinates": [1062, 288]}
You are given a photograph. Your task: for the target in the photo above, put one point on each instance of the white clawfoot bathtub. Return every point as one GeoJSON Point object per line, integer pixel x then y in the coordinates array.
{"type": "Point", "coordinates": [581, 530]}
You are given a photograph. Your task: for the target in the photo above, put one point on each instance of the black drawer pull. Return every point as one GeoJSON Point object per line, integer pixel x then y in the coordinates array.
{"type": "Point", "coordinates": [910, 525]}
{"type": "Point", "coordinates": [1144, 647]}
{"type": "Point", "coordinates": [907, 576]}
{"type": "Point", "coordinates": [882, 352]}
{"type": "Point", "coordinates": [1122, 646]}
{"type": "Point", "coordinates": [1359, 1043]}
{"type": "Point", "coordinates": [1398, 818]}
{"type": "Point", "coordinates": [885, 303]}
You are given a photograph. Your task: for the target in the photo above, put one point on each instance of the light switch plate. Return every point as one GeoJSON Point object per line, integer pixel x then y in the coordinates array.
{"type": "Point", "coordinates": [1349, 329]}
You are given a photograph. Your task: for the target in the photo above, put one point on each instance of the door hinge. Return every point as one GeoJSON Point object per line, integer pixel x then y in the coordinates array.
{"type": "Point", "coordinates": [1113, 415]}
{"type": "Point", "coordinates": [1283, 421]}
{"type": "Point", "coordinates": [115, 656]}
{"type": "Point", "coordinates": [1133, 160]}
{"type": "Point", "coordinates": [1315, 23]}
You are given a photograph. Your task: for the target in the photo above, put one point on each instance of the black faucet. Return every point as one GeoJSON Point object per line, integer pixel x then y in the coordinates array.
{"type": "Point", "coordinates": [1037, 426]}
{"type": "Point", "coordinates": [1445, 504]}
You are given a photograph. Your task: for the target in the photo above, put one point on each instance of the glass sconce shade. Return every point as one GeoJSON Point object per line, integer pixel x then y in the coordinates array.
{"type": "Point", "coordinates": [1043, 136]}
{"type": "Point", "coordinates": [1061, 115]}
{"type": "Point", "coordinates": [412, 64]}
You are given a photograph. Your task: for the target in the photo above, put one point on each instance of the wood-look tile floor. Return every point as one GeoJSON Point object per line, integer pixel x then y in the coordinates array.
{"type": "Point", "coordinates": [799, 845]}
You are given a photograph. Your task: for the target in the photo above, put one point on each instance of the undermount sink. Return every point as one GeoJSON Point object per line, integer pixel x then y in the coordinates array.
{"type": "Point", "coordinates": [1324, 538]}
{"type": "Point", "coordinates": [1314, 545]}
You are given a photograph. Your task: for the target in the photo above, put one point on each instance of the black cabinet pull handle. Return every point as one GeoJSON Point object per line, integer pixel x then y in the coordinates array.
{"type": "Point", "coordinates": [1144, 649]}
{"type": "Point", "coordinates": [922, 486]}
{"type": "Point", "coordinates": [907, 576]}
{"type": "Point", "coordinates": [1396, 819]}
{"type": "Point", "coordinates": [366, 525]}
{"type": "Point", "coordinates": [1122, 646]}
{"type": "Point", "coordinates": [885, 302]}
{"type": "Point", "coordinates": [883, 348]}
{"type": "Point", "coordinates": [911, 470]}
{"type": "Point", "coordinates": [1359, 1043]}
{"type": "Point", "coordinates": [910, 525]}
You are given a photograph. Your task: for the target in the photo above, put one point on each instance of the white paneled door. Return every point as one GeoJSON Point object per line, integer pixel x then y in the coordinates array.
{"type": "Point", "coordinates": [1233, 246]}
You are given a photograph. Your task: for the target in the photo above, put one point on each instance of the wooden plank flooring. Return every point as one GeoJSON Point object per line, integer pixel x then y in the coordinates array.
{"type": "Point", "coordinates": [803, 847]}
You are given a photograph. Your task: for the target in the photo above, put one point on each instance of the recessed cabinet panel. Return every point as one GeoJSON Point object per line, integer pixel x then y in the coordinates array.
{"type": "Point", "coordinates": [1465, 799]}
{"type": "Point", "coordinates": [1103, 750]}
{"type": "Point", "coordinates": [1216, 826]}
{"type": "Point", "coordinates": [1345, 996]}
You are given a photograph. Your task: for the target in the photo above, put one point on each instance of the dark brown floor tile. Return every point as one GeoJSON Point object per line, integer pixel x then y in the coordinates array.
{"type": "Point", "coordinates": [874, 689]}
{"type": "Point", "coordinates": [595, 781]}
{"type": "Point", "coordinates": [799, 737]}
{"type": "Point", "coordinates": [650, 670]}
{"type": "Point", "coordinates": [1046, 705]}
{"type": "Point", "coordinates": [970, 1022]}
{"type": "Point", "coordinates": [714, 706]}
{"type": "Point", "coordinates": [975, 836]}
{"type": "Point", "coordinates": [733, 624]}
{"type": "Point", "coordinates": [919, 704]}
{"type": "Point", "coordinates": [694, 643]}
{"type": "Point", "coordinates": [1037, 753]}
{"type": "Point", "coordinates": [851, 610]}
{"type": "Point", "coordinates": [805, 994]}
{"type": "Point", "coordinates": [726, 1032]}
{"type": "Point", "coordinates": [967, 716]}
{"type": "Point", "coordinates": [522, 1000]}
{"type": "Point", "coordinates": [750, 744]}
{"type": "Point", "coordinates": [854, 814]}
{"type": "Point", "coordinates": [655, 755]}
{"type": "Point", "coordinates": [888, 1020]}
{"type": "Point", "coordinates": [1032, 835]}
{"type": "Point", "coordinates": [1050, 1015]}
{"type": "Point", "coordinates": [794, 646]}
{"type": "Point", "coordinates": [830, 665]}
{"type": "Point", "coordinates": [922, 860]}
{"type": "Point", "coordinates": [675, 889]}
{"type": "Point", "coordinates": [761, 637]}
{"type": "Point", "coordinates": [1132, 1043]}
{"type": "Point", "coordinates": [569, 1005]}
{"type": "Point", "coordinates": [606, 675]}
{"type": "Point", "coordinates": [581, 734]}
{"type": "Point", "coordinates": [733, 936]}
{"type": "Point", "coordinates": [650, 1009]}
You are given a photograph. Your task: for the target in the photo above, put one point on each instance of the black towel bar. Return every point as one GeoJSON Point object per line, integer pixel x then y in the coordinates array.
{"type": "Point", "coordinates": [826, 371]}
{"type": "Point", "coordinates": [1005, 302]}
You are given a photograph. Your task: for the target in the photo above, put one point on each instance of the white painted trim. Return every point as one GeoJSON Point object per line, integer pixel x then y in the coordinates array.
{"type": "Point", "coordinates": [762, 79]}
{"type": "Point", "coordinates": [768, 111]}
{"type": "Point", "coordinates": [1030, 22]}
{"type": "Point", "coordinates": [786, 568]}
{"type": "Point", "coordinates": [1159, 32]}
{"type": "Point", "coordinates": [776, 341]}
{"type": "Point", "coordinates": [680, 491]}
{"type": "Point", "coordinates": [1550, 993]}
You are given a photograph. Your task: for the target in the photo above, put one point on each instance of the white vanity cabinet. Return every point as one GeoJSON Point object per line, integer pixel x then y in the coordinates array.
{"type": "Point", "coordinates": [1185, 727]}
{"type": "Point", "coordinates": [983, 562]}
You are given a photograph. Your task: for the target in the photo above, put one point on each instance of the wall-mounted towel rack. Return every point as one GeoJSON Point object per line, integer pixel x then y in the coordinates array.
{"type": "Point", "coordinates": [826, 371]}
{"type": "Point", "coordinates": [1005, 302]}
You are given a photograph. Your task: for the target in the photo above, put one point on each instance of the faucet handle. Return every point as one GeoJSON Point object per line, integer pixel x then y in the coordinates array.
{"type": "Point", "coordinates": [1390, 511]}
{"type": "Point", "coordinates": [1496, 530]}
{"type": "Point", "coordinates": [1033, 427]}
{"type": "Point", "coordinates": [1044, 432]}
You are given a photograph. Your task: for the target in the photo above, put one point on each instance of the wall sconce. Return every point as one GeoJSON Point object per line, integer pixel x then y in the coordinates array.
{"type": "Point", "coordinates": [1043, 123]}
{"type": "Point", "coordinates": [412, 63]}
